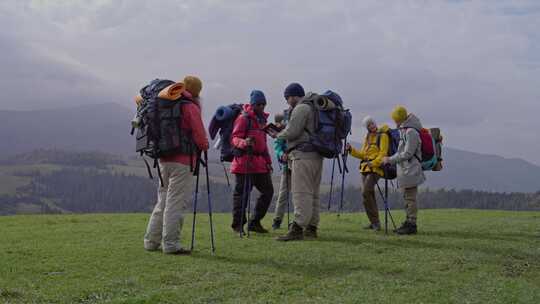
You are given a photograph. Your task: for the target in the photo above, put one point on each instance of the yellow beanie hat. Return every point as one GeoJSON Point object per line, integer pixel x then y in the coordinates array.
{"type": "Point", "coordinates": [399, 114]}
{"type": "Point", "coordinates": [193, 85]}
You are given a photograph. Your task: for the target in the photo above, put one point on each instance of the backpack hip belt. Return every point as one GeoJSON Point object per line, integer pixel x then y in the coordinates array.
{"type": "Point", "coordinates": [303, 147]}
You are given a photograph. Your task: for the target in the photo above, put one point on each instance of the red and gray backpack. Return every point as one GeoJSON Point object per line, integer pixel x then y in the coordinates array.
{"type": "Point", "coordinates": [431, 144]}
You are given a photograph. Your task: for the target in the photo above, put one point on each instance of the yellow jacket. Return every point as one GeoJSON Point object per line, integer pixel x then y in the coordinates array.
{"type": "Point", "coordinates": [371, 153]}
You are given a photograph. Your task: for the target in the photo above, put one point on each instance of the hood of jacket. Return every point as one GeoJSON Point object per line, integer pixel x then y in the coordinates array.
{"type": "Point", "coordinates": [412, 122]}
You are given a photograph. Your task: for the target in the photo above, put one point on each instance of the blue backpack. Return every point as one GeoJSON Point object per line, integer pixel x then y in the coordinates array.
{"type": "Point", "coordinates": [332, 123]}
{"type": "Point", "coordinates": [223, 121]}
{"type": "Point", "coordinates": [390, 171]}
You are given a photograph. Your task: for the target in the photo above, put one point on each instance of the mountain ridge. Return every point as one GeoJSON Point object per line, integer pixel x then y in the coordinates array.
{"type": "Point", "coordinates": [105, 127]}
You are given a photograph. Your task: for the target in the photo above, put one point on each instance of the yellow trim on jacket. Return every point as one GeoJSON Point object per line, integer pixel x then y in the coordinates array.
{"type": "Point", "coordinates": [371, 153]}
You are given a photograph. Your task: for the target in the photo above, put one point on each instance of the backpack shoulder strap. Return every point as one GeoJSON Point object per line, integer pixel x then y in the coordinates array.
{"type": "Point", "coordinates": [378, 141]}
{"type": "Point", "coordinates": [380, 134]}
{"type": "Point", "coordinates": [310, 103]}
{"type": "Point", "coordinates": [404, 139]}
{"type": "Point", "coordinates": [245, 115]}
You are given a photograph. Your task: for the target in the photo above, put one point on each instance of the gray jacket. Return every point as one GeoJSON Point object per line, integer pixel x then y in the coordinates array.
{"type": "Point", "coordinates": [301, 123]}
{"type": "Point", "coordinates": [409, 168]}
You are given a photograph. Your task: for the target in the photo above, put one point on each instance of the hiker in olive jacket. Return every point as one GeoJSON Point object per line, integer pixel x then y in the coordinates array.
{"type": "Point", "coordinates": [305, 164]}
{"type": "Point", "coordinates": [409, 168]}
{"type": "Point", "coordinates": [374, 149]}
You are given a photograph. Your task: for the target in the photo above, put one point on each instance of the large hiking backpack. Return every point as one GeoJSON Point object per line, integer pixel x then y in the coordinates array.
{"type": "Point", "coordinates": [429, 158]}
{"type": "Point", "coordinates": [390, 171]}
{"type": "Point", "coordinates": [223, 122]}
{"type": "Point", "coordinates": [158, 124]}
{"type": "Point", "coordinates": [332, 123]}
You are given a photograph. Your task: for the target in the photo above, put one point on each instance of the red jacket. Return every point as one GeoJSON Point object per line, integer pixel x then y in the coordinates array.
{"type": "Point", "coordinates": [260, 161]}
{"type": "Point", "coordinates": [191, 121]}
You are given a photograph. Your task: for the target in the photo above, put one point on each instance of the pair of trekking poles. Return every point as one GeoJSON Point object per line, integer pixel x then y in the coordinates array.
{"type": "Point", "coordinates": [195, 200]}
{"type": "Point", "coordinates": [387, 213]}
{"type": "Point", "coordinates": [246, 195]}
{"type": "Point", "coordinates": [343, 171]}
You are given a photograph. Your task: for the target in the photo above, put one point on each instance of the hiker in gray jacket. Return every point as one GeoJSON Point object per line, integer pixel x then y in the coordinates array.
{"type": "Point", "coordinates": [305, 164]}
{"type": "Point", "coordinates": [409, 169]}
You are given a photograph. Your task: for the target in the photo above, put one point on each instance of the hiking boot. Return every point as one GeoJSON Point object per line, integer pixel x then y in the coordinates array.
{"type": "Point", "coordinates": [180, 251]}
{"type": "Point", "coordinates": [256, 226]}
{"type": "Point", "coordinates": [368, 227]}
{"type": "Point", "coordinates": [238, 229]}
{"type": "Point", "coordinates": [295, 233]}
{"type": "Point", "coordinates": [376, 227]}
{"type": "Point", "coordinates": [310, 232]}
{"type": "Point", "coordinates": [406, 228]}
{"type": "Point", "coordinates": [276, 224]}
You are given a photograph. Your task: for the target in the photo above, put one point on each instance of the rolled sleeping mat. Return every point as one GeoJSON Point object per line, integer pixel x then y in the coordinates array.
{"type": "Point", "coordinates": [172, 92]}
{"type": "Point", "coordinates": [436, 134]}
{"type": "Point", "coordinates": [138, 99]}
{"type": "Point", "coordinates": [324, 103]}
{"type": "Point", "coordinates": [437, 138]}
{"type": "Point", "coordinates": [223, 113]}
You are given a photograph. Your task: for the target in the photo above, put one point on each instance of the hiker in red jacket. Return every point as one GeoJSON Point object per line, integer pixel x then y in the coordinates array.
{"type": "Point", "coordinates": [252, 165]}
{"type": "Point", "coordinates": [175, 195]}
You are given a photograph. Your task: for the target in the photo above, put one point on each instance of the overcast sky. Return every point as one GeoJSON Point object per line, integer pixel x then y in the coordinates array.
{"type": "Point", "coordinates": [469, 67]}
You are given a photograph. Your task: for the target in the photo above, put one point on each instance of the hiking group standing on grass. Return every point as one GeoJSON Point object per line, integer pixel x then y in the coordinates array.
{"type": "Point", "coordinates": [313, 127]}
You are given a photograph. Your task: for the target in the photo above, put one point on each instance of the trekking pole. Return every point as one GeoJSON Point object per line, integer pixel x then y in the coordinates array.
{"type": "Point", "coordinates": [226, 176]}
{"type": "Point", "coordinates": [209, 203]}
{"type": "Point", "coordinates": [195, 199]}
{"type": "Point", "coordinates": [387, 212]}
{"type": "Point", "coordinates": [387, 206]}
{"type": "Point", "coordinates": [249, 201]}
{"type": "Point", "coordinates": [288, 196]}
{"type": "Point", "coordinates": [345, 170]}
{"type": "Point", "coordinates": [245, 195]}
{"type": "Point", "coordinates": [332, 183]}
{"type": "Point", "coordinates": [244, 203]}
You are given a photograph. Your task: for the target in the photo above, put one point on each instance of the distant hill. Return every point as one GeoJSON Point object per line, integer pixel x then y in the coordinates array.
{"type": "Point", "coordinates": [57, 181]}
{"type": "Point", "coordinates": [105, 127]}
{"type": "Point", "coordinates": [61, 157]}
{"type": "Point", "coordinates": [469, 170]}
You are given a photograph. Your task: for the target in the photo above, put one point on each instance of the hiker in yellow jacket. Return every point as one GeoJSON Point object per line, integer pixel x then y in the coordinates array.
{"type": "Point", "coordinates": [374, 149]}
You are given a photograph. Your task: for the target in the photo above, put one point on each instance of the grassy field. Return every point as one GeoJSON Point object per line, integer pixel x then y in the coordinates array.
{"type": "Point", "coordinates": [459, 256]}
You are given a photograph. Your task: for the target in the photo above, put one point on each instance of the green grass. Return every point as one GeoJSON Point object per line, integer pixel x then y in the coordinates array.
{"type": "Point", "coordinates": [459, 256]}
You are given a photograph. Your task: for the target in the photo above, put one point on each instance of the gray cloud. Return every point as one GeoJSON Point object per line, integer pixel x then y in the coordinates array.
{"type": "Point", "coordinates": [471, 67]}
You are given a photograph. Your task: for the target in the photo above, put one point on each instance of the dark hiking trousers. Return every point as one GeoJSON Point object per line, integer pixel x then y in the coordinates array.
{"type": "Point", "coordinates": [263, 183]}
{"type": "Point", "coordinates": [369, 181]}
